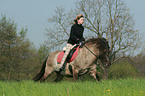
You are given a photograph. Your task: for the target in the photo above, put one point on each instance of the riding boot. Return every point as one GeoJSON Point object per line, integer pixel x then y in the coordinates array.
{"type": "Point", "coordinates": [62, 69]}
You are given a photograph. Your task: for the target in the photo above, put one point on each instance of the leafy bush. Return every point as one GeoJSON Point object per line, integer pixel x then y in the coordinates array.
{"type": "Point", "coordinates": [123, 68]}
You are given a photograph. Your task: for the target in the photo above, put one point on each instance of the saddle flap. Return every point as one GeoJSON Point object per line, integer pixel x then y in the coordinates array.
{"type": "Point", "coordinates": [60, 56]}
{"type": "Point", "coordinates": [71, 56]}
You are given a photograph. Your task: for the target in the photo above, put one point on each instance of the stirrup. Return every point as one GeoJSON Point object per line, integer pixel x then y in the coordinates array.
{"type": "Point", "coordinates": [61, 71]}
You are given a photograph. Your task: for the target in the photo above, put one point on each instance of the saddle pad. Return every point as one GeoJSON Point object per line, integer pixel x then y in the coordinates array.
{"type": "Point", "coordinates": [60, 56]}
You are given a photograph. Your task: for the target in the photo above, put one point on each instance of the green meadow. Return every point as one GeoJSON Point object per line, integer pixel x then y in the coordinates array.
{"type": "Point", "coordinates": [118, 87]}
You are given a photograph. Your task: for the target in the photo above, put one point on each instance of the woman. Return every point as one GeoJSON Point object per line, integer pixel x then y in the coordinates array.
{"type": "Point", "coordinates": [76, 37]}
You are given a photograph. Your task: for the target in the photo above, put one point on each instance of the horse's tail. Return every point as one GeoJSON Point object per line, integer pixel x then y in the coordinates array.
{"type": "Point", "coordinates": [42, 71]}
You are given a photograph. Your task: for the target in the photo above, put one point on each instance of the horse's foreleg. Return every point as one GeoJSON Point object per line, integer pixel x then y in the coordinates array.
{"type": "Point", "coordinates": [75, 74]}
{"type": "Point", "coordinates": [93, 72]}
{"type": "Point", "coordinates": [98, 77]}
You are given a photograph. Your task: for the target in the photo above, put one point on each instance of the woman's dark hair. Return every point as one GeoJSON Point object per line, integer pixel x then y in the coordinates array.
{"type": "Point", "coordinates": [77, 18]}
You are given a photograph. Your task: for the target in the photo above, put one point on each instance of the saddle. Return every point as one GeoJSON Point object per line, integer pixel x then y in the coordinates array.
{"type": "Point", "coordinates": [71, 56]}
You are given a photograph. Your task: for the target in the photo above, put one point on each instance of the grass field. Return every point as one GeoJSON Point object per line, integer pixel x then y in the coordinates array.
{"type": "Point", "coordinates": [120, 87]}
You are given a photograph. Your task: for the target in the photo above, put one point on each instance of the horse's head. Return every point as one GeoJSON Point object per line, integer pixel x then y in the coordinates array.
{"type": "Point", "coordinates": [102, 45]}
{"type": "Point", "coordinates": [104, 52]}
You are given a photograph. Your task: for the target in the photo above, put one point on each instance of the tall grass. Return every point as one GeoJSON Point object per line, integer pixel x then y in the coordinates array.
{"type": "Point", "coordinates": [120, 87]}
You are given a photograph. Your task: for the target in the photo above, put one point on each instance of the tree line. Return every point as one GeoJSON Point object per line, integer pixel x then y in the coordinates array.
{"type": "Point", "coordinates": [18, 56]}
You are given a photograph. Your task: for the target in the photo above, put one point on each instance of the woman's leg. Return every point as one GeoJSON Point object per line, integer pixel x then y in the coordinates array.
{"type": "Point", "coordinates": [68, 48]}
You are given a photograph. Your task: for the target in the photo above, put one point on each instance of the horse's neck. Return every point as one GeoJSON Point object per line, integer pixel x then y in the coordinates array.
{"type": "Point", "coordinates": [86, 55]}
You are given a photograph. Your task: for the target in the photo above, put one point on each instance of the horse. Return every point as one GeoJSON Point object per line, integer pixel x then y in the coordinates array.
{"type": "Point", "coordinates": [92, 50]}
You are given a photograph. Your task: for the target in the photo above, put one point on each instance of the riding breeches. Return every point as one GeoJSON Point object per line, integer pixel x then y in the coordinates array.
{"type": "Point", "coordinates": [68, 48]}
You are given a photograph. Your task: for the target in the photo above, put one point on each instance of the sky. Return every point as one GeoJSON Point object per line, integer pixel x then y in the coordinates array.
{"type": "Point", "coordinates": [33, 14]}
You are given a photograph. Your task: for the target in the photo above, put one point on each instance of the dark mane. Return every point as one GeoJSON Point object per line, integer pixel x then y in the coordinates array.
{"type": "Point", "coordinates": [100, 42]}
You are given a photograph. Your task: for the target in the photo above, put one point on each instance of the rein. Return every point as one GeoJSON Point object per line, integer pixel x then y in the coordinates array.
{"type": "Point", "coordinates": [91, 51]}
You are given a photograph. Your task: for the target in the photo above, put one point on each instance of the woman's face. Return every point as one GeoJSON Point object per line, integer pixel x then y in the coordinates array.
{"type": "Point", "coordinates": [81, 20]}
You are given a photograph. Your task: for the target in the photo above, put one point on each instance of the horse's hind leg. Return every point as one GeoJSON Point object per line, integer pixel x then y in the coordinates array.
{"type": "Point", "coordinates": [48, 72]}
{"type": "Point", "coordinates": [75, 74]}
{"type": "Point", "coordinates": [59, 77]}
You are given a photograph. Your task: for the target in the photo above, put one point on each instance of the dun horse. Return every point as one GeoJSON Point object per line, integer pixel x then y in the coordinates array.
{"type": "Point", "coordinates": [93, 49]}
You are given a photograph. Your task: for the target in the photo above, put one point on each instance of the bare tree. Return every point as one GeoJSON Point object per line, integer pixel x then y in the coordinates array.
{"type": "Point", "coordinates": [111, 19]}
{"type": "Point", "coordinates": [58, 33]}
